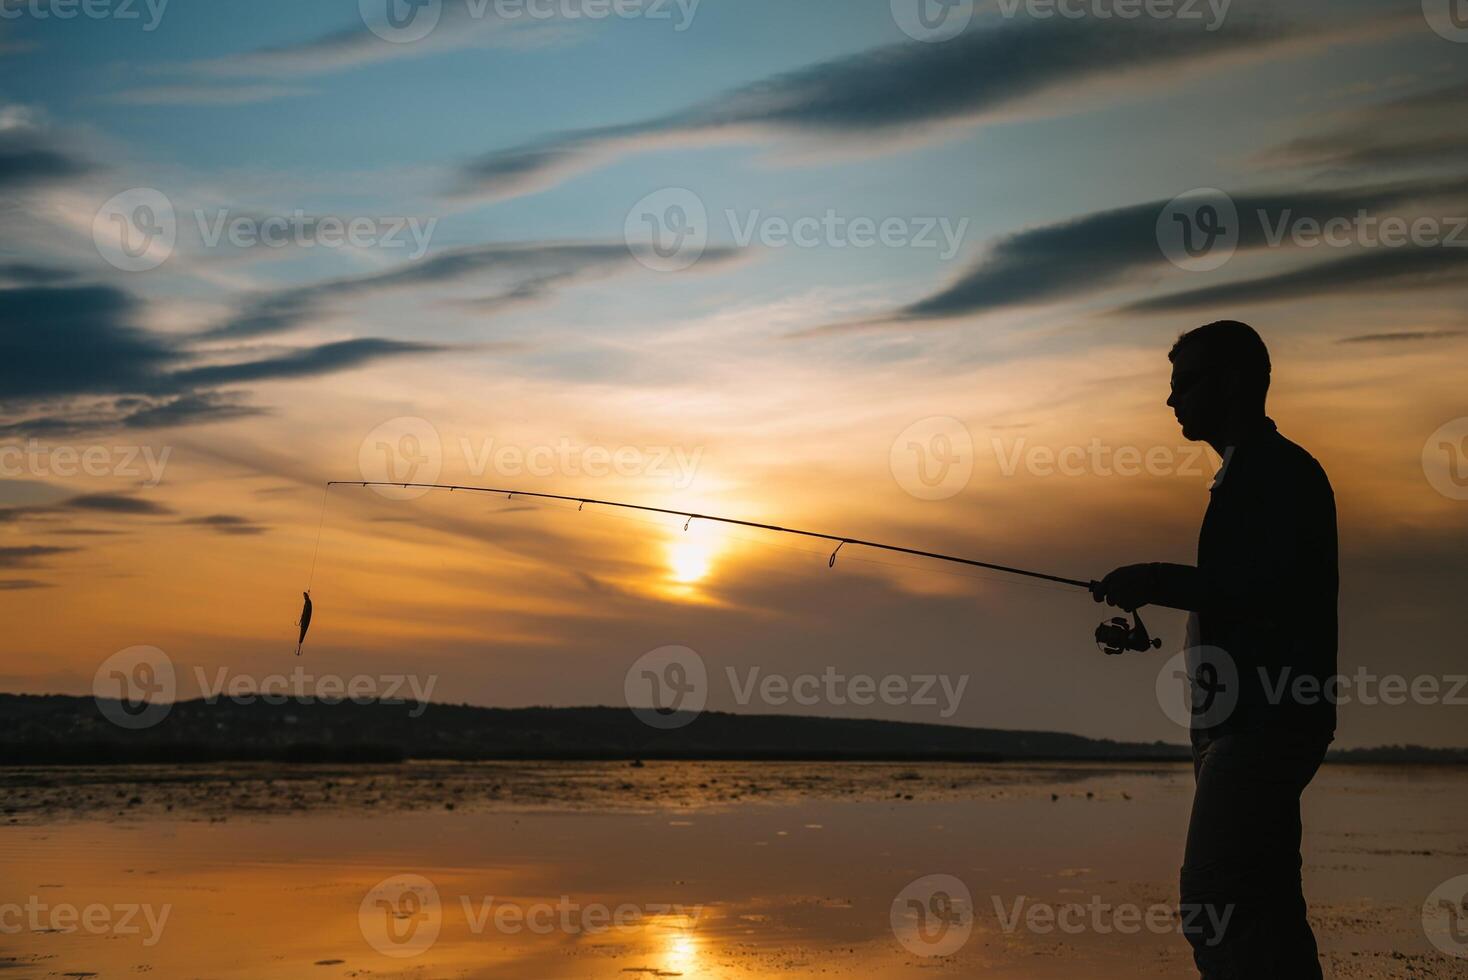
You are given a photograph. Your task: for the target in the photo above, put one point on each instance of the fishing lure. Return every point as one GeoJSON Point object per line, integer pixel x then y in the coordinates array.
{"type": "Point", "coordinates": [305, 621]}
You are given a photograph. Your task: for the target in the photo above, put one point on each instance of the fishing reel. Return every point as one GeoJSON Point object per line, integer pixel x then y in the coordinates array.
{"type": "Point", "coordinates": [1117, 635]}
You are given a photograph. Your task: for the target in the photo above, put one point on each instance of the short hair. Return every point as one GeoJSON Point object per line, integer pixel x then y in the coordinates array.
{"type": "Point", "coordinates": [1231, 345]}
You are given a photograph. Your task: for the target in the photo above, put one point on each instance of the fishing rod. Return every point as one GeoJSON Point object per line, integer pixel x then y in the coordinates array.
{"type": "Point", "coordinates": [1114, 636]}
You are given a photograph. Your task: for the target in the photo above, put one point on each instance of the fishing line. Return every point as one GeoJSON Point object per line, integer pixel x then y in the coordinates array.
{"type": "Point", "coordinates": [320, 526]}
{"type": "Point", "coordinates": [1114, 636]}
{"type": "Point", "coordinates": [841, 541]}
{"type": "Point", "coordinates": [993, 578]}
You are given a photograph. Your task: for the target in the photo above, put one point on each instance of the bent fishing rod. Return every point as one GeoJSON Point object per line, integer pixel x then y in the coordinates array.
{"type": "Point", "coordinates": [1114, 636]}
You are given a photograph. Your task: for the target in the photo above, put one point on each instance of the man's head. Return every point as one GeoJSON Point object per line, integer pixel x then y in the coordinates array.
{"type": "Point", "coordinates": [1220, 377]}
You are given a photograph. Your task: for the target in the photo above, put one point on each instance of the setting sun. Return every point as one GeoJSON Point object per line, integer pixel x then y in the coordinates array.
{"type": "Point", "coordinates": [692, 553]}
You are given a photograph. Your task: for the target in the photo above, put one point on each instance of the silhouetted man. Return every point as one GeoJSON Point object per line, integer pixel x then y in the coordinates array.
{"type": "Point", "coordinates": [1262, 653]}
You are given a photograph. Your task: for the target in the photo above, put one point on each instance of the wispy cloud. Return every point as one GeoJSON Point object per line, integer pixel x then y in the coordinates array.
{"type": "Point", "coordinates": [114, 504]}
{"type": "Point", "coordinates": [203, 95]}
{"type": "Point", "coordinates": [75, 359]}
{"type": "Point", "coordinates": [1422, 129]}
{"type": "Point", "coordinates": [462, 24]}
{"type": "Point", "coordinates": [914, 89]}
{"type": "Point", "coordinates": [31, 274]}
{"type": "Point", "coordinates": [1373, 270]}
{"type": "Point", "coordinates": [1094, 252]}
{"type": "Point", "coordinates": [111, 503]}
{"type": "Point", "coordinates": [29, 555]}
{"type": "Point", "coordinates": [229, 524]}
{"type": "Point", "coordinates": [515, 272]}
{"type": "Point", "coordinates": [1403, 337]}
{"type": "Point", "coordinates": [31, 154]}
{"type": "Point", "coordinates": [21, 584]}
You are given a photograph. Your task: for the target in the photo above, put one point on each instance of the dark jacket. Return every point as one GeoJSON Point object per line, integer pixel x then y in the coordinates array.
{"type": "Point", "coordinates": [1265, 588]}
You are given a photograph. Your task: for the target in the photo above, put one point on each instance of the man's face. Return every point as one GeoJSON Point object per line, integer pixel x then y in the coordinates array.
{"type": "Point", "coordinates": [1197, 397]}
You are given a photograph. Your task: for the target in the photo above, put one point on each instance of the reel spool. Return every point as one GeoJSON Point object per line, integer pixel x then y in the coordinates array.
{"type": "Point", "coordinates": [1117, 635]}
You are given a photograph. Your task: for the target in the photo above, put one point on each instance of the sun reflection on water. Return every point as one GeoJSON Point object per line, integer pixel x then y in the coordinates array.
{"type": "Point", "coordinates": [680, 953]}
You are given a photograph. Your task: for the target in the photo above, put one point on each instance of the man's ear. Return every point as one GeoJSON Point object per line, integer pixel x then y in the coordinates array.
{"type": "Point", "coordinates": [1232, 384]}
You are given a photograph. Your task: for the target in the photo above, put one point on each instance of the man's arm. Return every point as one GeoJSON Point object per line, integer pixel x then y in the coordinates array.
{"type": "Point", "coordinates": [1153, 584]}
{"type": "Point", "coordinates": [1269, 557]}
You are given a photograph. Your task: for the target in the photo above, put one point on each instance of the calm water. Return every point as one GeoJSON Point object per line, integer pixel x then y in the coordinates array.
{"type": "Point", "coordinates": [675, 869]}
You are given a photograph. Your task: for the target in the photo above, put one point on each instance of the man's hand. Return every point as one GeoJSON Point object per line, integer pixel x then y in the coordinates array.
{"type": "Point", "coordinates": [1128, 587]}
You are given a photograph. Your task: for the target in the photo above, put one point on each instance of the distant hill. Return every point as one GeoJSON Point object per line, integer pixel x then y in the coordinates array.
{"type": "Point", "coordinates": [65, 729]}
{"type": "Point", "coordinates": [61, 729]}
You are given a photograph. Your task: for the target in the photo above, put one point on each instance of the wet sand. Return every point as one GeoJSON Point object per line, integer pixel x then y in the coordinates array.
{"type": "Point", "coordinates": [677, 869]}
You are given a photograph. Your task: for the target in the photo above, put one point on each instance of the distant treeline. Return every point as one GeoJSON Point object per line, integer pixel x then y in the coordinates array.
{"type": "Point", "coordinates": [59, 729]}
{"type": "Point", "coordinates": [67, 730]}
{"type": "Point", "coordinates": [1416, 754]}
